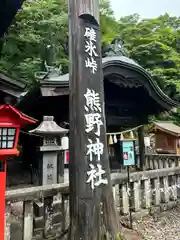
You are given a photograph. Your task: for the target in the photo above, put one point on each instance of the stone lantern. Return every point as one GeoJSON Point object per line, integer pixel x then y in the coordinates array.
{"type": "Point", "coordinates": [49, 161]}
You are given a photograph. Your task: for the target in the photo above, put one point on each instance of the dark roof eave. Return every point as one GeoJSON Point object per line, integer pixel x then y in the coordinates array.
{"type": "Point", "coordinates": [13, 82]}
{"type": "Point", "coordinates": [59, 83]}
{"type": "Point", "coordinates": [168, 103]}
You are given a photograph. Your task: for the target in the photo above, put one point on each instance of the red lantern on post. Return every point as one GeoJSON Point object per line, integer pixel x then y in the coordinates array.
{"type": "Point", "coordinates": [11, 120]}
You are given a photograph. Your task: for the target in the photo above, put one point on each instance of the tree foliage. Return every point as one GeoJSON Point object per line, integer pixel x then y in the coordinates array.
{"type": "Point", "coordinates": [38, 23]}
{"type": "Point", "coordinates": [153, 43]}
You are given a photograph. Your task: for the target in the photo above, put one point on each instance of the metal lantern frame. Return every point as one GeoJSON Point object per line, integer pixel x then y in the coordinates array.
{"type": "Point", "coordinates": [7, 137]}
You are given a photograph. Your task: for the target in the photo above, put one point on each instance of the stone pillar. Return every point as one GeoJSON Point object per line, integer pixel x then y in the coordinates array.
{"type": "Point", "coordinates": [49, 164]}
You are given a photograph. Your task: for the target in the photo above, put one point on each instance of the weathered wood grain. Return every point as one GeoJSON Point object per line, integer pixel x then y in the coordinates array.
{"type": "Point", "coordinates": [36, 193]}
{"type": "Point", "coordinates": [85, 208]}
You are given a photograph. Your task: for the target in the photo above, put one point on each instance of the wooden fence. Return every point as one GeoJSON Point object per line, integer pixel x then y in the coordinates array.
{"type": "Point", "coordinates": [158, 161]}
{"type": "Point", "coordinates": [42, 212]}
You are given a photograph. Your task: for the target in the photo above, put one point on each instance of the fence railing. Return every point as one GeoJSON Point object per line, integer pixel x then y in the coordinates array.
{"type": "Point", "coordinates": [146, 189]}
{"type": "Point", "coordinates": [158, 161]}
{"type": "Point", "coordinates": [37, 212]}
{"type": "Point", "coordinates": [42, 212]}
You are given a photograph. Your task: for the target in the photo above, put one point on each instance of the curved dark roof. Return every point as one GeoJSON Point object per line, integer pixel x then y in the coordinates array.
{"type": "Point", "coordinates": [159, 95]}
{"type": "Point", "coordinates": [125, 62]}
{"type": "Point", "coordinates": [105, 61]}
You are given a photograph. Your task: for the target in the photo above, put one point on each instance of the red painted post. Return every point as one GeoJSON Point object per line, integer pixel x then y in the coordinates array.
{"type": "Point", "coordinates": [2, 197]}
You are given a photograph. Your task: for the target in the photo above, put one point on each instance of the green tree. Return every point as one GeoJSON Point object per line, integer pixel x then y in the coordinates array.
{"type": "Point", "coordinates": [154, 44]}
{"type": "Point", "coordinates": [40, 23]}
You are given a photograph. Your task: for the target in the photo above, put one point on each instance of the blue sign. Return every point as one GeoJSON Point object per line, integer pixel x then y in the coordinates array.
{"type": "Point", "coordinates": [128, 152]}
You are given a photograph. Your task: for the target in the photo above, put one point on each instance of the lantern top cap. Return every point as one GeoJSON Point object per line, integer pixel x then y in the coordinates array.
{"type": "Point", "coordinates": [48, 127]}
{"type": "Point", "coordinates": [21, 118]}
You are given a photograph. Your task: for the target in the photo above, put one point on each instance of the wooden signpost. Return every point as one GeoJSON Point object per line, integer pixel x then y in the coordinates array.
{"type": "Point", "coordinates": [89, 167]}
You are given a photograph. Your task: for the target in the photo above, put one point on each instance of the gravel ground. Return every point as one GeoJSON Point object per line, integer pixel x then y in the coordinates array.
{"type": "Point", "coordinates": [162, 226]}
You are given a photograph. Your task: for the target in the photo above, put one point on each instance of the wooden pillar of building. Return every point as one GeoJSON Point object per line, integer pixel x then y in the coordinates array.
{"type": "Point", "coordinates": [141, 147]}
{"type": "Point", "coordinates": [89, 172]}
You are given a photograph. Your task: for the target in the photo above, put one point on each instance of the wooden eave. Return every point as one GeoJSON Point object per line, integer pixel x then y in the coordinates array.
{"type": "Point", "coordinates": [54, 88]}
{"type": "Point", "coordinates": [11, 86]}
{"type": "Point", "coordinates": [13, 82]}
{"type": "Point", "coordinates": [166, 127]}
